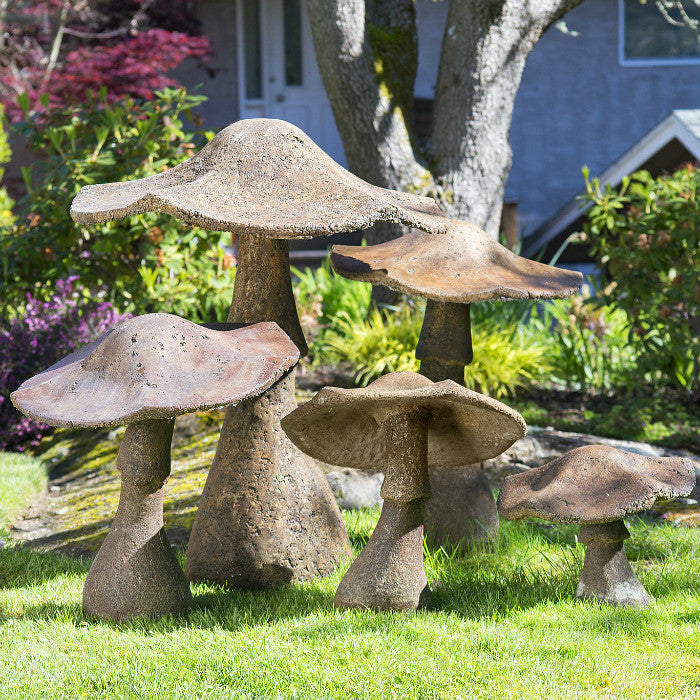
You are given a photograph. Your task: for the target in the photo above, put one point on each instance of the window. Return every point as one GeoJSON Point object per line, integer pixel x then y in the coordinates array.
{"type": "Point", "coordinates": [292, 42]}
{"type": "Point", "coordinates": [648, 38]}
{"type": "Point", "coordinates": [251, 47]}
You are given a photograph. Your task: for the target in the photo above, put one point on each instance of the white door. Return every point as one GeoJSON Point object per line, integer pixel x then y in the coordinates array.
{"type": "Point", "coordinates": [278, 74]}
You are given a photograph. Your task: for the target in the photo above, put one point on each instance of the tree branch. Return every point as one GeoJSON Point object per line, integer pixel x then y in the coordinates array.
{"type": "Point", "coordinates": [666, 6]}
{"type": "Point", "coordinates": [132, 25]}
{"type": "Point", "coordinates": [55, 46]}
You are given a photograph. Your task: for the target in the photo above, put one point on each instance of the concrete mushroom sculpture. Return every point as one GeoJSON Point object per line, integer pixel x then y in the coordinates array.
{"type": "Point", "coordinates": [451, 272]}
{"type": "Point", "coordinates": [401, 423]}
{"type": "Point", "coordinates": [597, 486]}
{"type": "Point", "coordinates": [144, 373]}
{"type": "Point", "coordinates": [267, 515]}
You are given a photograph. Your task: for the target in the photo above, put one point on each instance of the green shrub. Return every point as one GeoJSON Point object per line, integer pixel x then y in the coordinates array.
{"type": "Point", "coordinates": [505, 361]}
{"type": "Point", "coordinates": [380, 343]}
{"type": "Point", "coordinates": [647, 234]}
{"type": "Point", "coordinates": [6, 202]}
{"type": "Point", "coordinates": [147, 262]}
{"type": "Point", "coordinates": [321, 296]}
{"type": "Point", "coordinates": [588, 344]}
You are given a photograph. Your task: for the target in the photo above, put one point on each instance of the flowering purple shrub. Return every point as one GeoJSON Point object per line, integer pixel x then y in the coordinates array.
{"type": "Point", "coordinates": [30, 343]}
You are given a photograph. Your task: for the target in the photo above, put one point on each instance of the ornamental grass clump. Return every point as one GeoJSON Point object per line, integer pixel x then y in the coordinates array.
{"type": "Point", "coordinates": [31, 341]}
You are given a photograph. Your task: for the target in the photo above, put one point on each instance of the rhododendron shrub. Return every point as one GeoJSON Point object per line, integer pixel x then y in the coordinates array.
{"type": "Point", "coordinates": [646, 234]}
{"type": "Point", "coordinates": [141, 263]}
{"type": "Point", "coordinates": [45, 332]}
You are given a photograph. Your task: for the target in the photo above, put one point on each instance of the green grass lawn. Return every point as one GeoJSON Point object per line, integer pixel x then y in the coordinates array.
{"type": "Point", "coordinates": [503, 625]}
{"type": "Point", "coordinates": [21, 477]}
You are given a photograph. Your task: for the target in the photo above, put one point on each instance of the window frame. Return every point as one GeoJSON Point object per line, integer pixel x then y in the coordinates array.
{"type": "Point", "coordinates": [645, 62]}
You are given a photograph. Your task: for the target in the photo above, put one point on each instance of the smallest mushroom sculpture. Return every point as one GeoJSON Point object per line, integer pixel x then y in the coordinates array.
{"type": "Point", "coordinates": [597, 486]}
{"type": "Point", "coordinates": [401, 424]}
{"type": "Point", "coordinates": [144, 373]}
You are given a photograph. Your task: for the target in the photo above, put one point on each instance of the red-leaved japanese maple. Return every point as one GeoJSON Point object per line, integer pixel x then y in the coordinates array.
{"type": "Point", "coordinates": [65, 49]}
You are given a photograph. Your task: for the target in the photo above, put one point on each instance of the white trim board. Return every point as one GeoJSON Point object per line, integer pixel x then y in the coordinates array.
{"type": "Point", "coordinates": [682, 125]}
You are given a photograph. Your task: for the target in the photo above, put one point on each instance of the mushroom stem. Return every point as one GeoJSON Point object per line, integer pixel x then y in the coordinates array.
{"type": "Point", "coordinates": [445, 344]}
{"type": "Point", "coordinates": [607, 576]}
{"type": "Point", "coordinates": [388, 574]}
{"type": "Point", "coordinates": [267, 515]}
{"type": "Point", "coordinates": [263, 287]}
{"type": "Point", "coordinates": [462, 509]}
{"type": "Point", "coordinates": [135, 573]}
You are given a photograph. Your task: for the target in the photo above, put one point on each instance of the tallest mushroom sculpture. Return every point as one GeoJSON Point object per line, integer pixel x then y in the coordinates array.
{"type": "Point", "coordinates": [267, 515]}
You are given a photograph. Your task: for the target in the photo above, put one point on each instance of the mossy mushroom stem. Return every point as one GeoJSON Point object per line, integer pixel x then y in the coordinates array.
{"type": "Point", "coordinates": [263, 287]}
{"type": "Point", "coordinates": [444, 350]}
{"type": "Point", "coordinates": [388, 574]}
{"type": "Point", "coordinates": [607, 576]}
{"type": "Point", "coordinates": [135, 573]}
{"type": "Point", "coordinates": [267, 515]}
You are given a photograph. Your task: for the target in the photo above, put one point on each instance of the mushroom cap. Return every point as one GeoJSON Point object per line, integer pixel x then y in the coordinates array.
{"type": "Point", "coordinates": [262, 176]}
{"type": "Point", "coordinates": [594, 484]}
{"type": "Point", "coordinates": [464, 266]}
{"type": "Point", "coordinates": [156, 366]}
{"type": "Point", "coordinates": [345, 426]}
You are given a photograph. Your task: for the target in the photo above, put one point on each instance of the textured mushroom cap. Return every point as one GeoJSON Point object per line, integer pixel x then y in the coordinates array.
{"type": "Point", "coordinates": [344, 426]}
{"type": "Point", "coordinates": [262, 176]}
{"type": "Point", "coordinates": [465, 265]}
{"type": "Point", "coordinates": [157, 366]}
{"type": "Point", "coordinates": [594, 484]}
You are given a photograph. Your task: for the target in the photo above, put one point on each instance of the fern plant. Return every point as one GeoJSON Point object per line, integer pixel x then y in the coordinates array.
{"type": "Point", "coordinates": [382, 342]}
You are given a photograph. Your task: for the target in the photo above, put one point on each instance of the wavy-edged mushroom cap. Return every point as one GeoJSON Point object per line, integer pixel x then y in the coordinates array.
{"type": "Point", "coordinates": [262, 176]}
{"type": "Point", "coordinates": [594, 484]}
{"type": "Point", "coordinates": [156, 366]}
{"type": "Point", "coordinates": [344, 426]}
{"type": "Point", "coordinates": [464, 266]}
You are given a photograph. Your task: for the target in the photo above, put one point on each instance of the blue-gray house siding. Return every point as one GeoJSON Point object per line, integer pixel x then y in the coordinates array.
{"type": "Point", "coordinates": [577, 105]}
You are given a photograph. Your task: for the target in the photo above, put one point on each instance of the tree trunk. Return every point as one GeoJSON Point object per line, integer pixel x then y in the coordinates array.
{"type": "Point", "coordinates": [367, 58]}
{"type": "Point", "coordinates": [484, 50]}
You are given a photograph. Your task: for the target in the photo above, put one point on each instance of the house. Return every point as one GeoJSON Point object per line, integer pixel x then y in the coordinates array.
{"type": "Point", "coordinates": [676, 140]}
{"type": "Point", "coordinates": [591, 90]}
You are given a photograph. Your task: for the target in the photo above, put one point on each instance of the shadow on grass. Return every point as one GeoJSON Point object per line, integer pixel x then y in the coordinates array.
{"type": "Point", "coordinates": [490, 583]}
{"type": "Point", "coordinates": [21, 567]}
{"type": "Point", "coordinates": [81, 444]}
{"type": "Point", "coordinates": [216, 609]}
{"type": "Point", "coordinates": [86, 539]}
